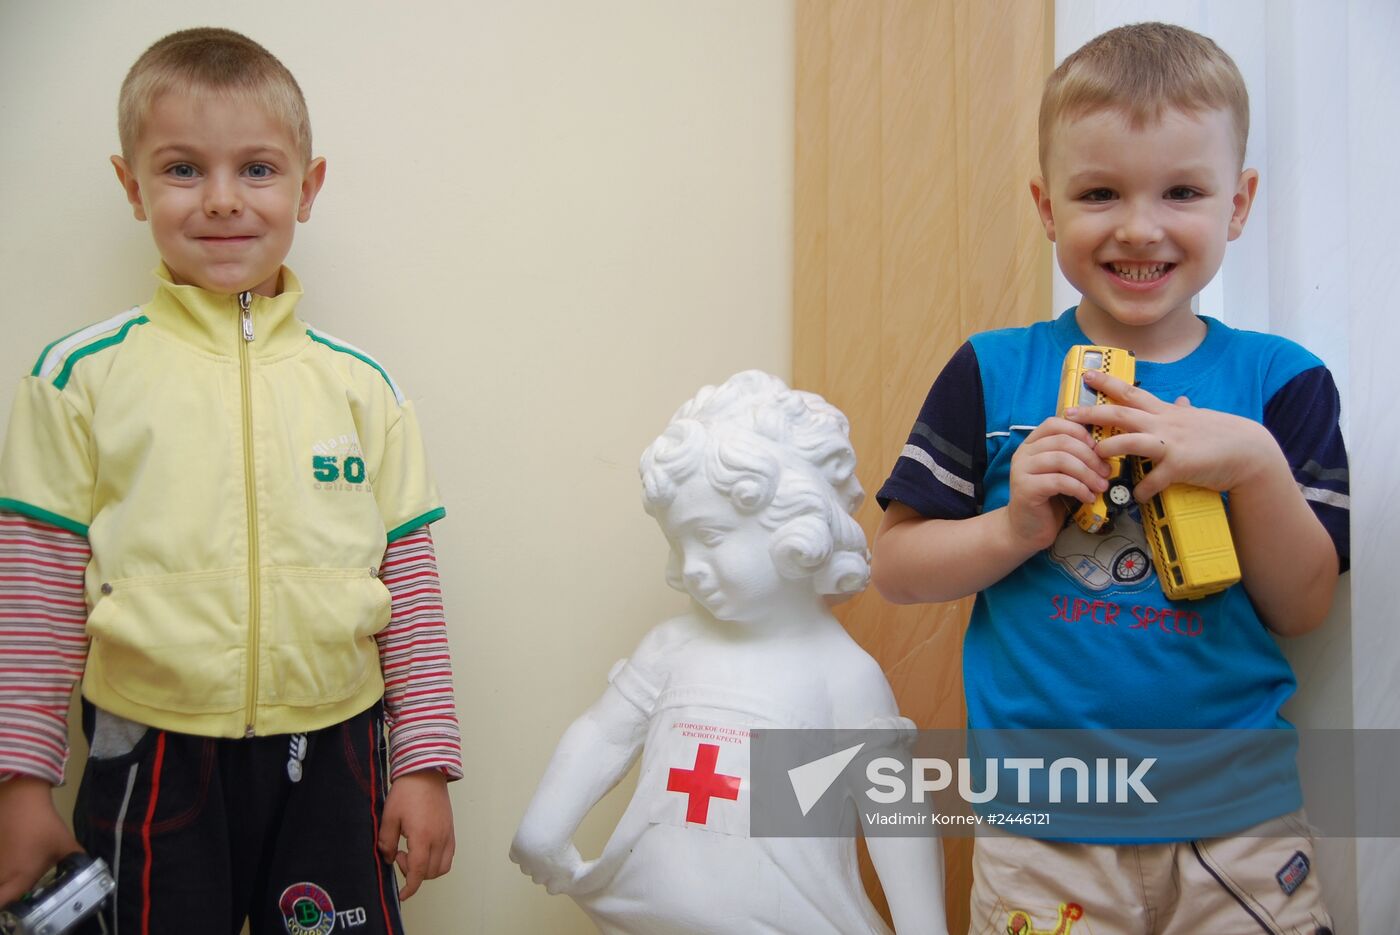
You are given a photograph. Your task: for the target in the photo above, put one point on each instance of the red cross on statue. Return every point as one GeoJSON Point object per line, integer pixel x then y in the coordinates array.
{"type": "Point", "coordinates": [702, 783]}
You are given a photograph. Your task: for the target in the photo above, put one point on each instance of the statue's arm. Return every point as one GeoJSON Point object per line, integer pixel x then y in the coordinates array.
{"type": "Point", "coordinates": [593, 755]}
{"type": "Point", "coordinates": [911, 874]}
{"type": "Point", "coordinates": [910, 868]}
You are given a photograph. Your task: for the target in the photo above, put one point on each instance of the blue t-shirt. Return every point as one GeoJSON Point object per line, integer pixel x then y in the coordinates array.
{"type": "Point", "coordinates": [1081, 635]}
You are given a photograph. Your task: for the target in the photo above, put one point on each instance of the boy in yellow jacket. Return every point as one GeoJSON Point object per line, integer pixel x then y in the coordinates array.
{"type": "Point", "coordinates": [218, 517]}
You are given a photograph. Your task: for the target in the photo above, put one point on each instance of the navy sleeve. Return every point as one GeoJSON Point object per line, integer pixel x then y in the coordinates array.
{"type": "Point", "coordinates": [1304, 416]}
{"type": "Point", "coordinates": [939, 473]}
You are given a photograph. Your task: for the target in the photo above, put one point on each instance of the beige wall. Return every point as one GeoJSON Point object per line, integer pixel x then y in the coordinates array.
{"type": "Point", "coordinates": [551, 221]}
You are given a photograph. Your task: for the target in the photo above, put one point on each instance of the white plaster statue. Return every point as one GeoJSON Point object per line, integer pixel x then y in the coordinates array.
{"type": "Point", "coordinates": [753, 485]}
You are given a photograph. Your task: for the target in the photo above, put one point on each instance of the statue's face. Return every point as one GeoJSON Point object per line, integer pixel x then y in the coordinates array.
{"type": "Point", "coordinates": [724, 557]}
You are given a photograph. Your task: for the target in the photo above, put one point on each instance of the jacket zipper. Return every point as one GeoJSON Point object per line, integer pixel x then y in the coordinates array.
{"type": "Point", "coordinates": [250, 492]}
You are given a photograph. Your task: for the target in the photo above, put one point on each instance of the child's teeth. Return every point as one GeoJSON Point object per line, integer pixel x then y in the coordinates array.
{"type": "Point", "coordinates": [1140, 273]}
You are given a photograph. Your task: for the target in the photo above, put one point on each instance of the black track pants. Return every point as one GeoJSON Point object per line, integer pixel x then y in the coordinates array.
{"type": "Point", "coordinates": [202, 833]}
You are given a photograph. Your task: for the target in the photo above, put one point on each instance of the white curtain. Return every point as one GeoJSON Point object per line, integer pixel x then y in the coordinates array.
{"type": "Point", "coordinates": [1317, 263]}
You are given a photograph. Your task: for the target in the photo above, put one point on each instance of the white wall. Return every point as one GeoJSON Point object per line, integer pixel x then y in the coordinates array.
{"type": "Point", "coordinates": [552, 221]}
{"type": "Point", "coordinates": [1372, 328]}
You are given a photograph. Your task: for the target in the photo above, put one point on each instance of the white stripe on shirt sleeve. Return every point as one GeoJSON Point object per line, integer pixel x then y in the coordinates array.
{"type": "Point", "coordinates": [944, 477]}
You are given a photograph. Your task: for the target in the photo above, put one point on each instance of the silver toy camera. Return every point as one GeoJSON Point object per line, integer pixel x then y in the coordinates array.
{"type": "Point", "coordinates": [76, 891]}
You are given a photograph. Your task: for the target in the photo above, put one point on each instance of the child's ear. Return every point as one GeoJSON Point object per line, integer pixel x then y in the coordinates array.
{"type": "Point", "coordinates": [1040, 194]}
{"type": "Point", "coordinates": [1243, 200]}
{"type": "Point", "coordinates": [311, 186]}
{"type": "Point", "coordinates": [131, 185]}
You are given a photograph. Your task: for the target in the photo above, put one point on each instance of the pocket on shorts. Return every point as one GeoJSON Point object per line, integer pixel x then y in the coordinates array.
{"type": "Point", "coordinates": [1275, 876]}
{"type": "Point", "coordinates": [116, 790]}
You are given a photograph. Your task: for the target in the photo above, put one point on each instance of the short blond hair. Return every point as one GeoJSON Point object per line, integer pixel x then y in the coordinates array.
{"type": "Point", "coordinates": [1141, 70]}
{"type": "Point", "coordinates": [217, 60]}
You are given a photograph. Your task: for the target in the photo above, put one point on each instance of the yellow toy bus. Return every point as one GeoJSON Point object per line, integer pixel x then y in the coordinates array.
{"type": "Point", "coordinates": [1189, 533]}
{"type": "Point", "coordinates": [1092, 517]}
{"type": "Point", "coordinates": [1186, 526]}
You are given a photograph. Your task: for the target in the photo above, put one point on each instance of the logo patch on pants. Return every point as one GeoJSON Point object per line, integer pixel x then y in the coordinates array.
{"type": "Point", "coordinates": [1019, 922]}
{"type": "Point", "coordinates": [306, 910]}
{"type": "Point", "coordinates": [1293, 873]}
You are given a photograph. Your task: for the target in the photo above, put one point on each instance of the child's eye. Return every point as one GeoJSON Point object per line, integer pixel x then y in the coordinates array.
{"type": "Point", "coordinates": [1098, 195]}
{"type": "Point", "coordinates": [259, 170]}
{"type": "Point", "coordinates": [182, 170]}
{"type": "Point", "coordinates": [1182, 193]}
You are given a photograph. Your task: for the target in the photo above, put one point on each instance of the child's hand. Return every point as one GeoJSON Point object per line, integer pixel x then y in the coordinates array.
{"type": "Point", "coordinates": [1186, 445]}
{"type": "Point", "coordinates": [1056, 459]}
{"type": "Point", "coordinates": [418, 809]}
{"type": "Point", "coordinates": [32, 835]}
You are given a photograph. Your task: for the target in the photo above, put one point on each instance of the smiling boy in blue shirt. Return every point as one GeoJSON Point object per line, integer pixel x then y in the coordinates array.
{"type": "Point", "coordinates": [1142, 184]}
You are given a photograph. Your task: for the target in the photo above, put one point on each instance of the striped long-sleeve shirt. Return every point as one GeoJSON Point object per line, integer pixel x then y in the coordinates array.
{"type": "Point", "coordinates": [43, 645]}
{"type": "Point", "coordinates": [413, 654]}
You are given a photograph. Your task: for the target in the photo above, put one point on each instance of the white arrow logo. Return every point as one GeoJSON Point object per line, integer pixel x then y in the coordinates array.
{"type": "Point", "coordinates": [811, 780]}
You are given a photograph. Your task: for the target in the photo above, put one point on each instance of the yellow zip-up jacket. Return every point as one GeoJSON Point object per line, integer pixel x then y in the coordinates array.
{"type": "Point", "coordinates": [238, 476]}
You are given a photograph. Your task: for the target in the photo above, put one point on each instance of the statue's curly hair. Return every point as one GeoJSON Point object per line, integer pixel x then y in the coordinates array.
{"type": "Point", "coordinates": [779, 454]}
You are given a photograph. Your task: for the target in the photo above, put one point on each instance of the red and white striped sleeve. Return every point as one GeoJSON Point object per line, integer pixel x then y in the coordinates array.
{"type": "Point", "coordinates": [43, 643]}
{"type": "Point", "coordinates": [413, 652]}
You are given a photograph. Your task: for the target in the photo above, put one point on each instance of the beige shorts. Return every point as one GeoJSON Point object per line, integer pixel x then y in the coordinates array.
{"type": "Point", "coordinates": [1260, 881]}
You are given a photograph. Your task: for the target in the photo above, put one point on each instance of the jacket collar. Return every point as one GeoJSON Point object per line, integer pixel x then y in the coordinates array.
{"type": "Point", "coordinates": [212, 322]}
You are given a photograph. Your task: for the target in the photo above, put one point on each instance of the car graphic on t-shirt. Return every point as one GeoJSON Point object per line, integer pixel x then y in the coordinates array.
{"type": "Point", "coordinates": [1103, 560]}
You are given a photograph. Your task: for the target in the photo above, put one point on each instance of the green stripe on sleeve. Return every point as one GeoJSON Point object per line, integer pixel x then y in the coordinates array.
{"type": "Point", "coordinates": [34, 512]}
{"type": "Point", "coordinates": [39, 364]}
{"type": "Point", "coordinates": [432, 516]}
{"type": "Point", "coordinates": [62, 380]}
{"type": "Point", "coordinates": [356, 354]}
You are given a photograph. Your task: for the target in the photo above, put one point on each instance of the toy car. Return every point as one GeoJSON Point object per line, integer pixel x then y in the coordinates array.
{"type": "Point", "coordinates": [1189, 534]}
{"type": "Point", "coordinates": [1093, 517]}
{"type": "Point", "coordinates": [76, 891]}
